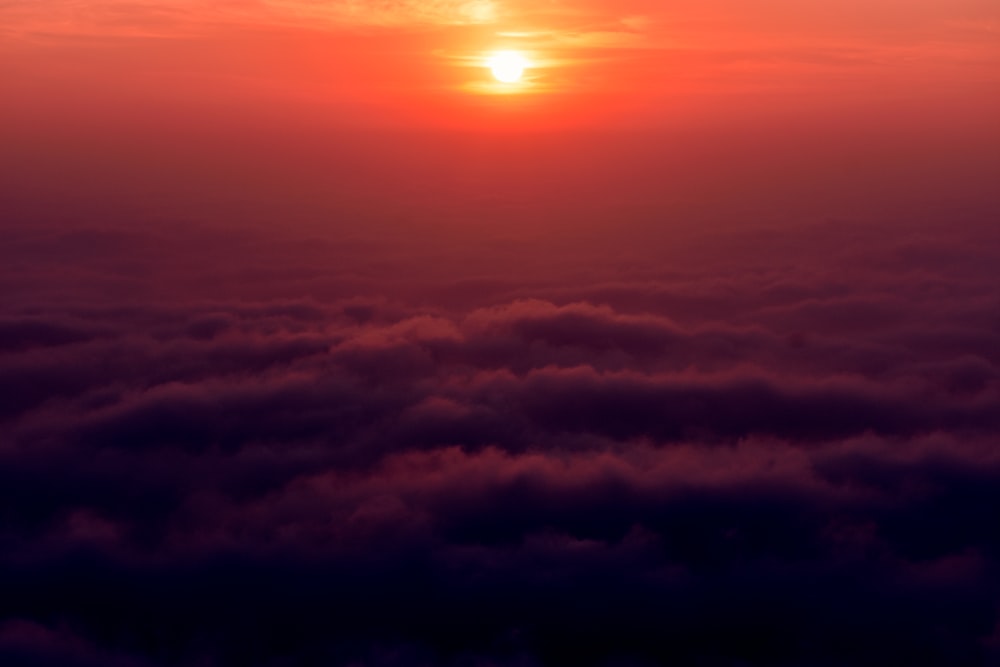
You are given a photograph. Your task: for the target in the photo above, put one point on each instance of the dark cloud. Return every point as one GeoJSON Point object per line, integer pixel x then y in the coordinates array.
{"type": "Point", "coordinates": [779, 448]}
{"type": "Point", "coordinates": [16, 335]}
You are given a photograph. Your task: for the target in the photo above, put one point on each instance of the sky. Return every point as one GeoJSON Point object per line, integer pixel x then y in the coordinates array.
{"type": "Point", "coordinates": [321, 346]}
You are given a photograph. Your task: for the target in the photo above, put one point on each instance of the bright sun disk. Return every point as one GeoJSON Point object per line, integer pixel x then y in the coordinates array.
{"type": "Point", "coordinates": [507, 66]}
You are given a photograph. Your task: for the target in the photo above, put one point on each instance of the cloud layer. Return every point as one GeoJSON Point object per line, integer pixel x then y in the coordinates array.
{"type": "Point", "coordinates": [764, 448]}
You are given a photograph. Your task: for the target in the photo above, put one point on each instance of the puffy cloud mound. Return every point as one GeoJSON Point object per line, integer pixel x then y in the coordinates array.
{"type": "Point", "coordinates": [753, 453]}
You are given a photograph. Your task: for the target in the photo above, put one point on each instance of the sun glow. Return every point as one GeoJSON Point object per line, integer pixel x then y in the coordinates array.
{"type": "Point", "coordinates": [507, 66]}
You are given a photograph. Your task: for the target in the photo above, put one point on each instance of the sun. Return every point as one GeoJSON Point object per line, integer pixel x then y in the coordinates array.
{"type": "Point", "coordinates": [507, 66]}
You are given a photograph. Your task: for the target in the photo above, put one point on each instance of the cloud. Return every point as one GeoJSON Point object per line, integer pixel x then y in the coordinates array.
{"type": "Point", "coordinates": [28, 644]}
{"type": "Point", "coordinates": [187, 18]}
{"type": "Point", "coordinates": [389, 12]}
{"type": "Point", "coordinates": [738, 458]}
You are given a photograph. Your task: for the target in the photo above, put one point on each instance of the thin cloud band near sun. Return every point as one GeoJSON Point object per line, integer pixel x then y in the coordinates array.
{"type": "Point", "coordinates": [503, 71]}
{"type": "Point", "coordinates": [515, 45]}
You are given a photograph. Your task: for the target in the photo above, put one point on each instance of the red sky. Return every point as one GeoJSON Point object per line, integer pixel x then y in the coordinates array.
{"type": "Point", "coordinates": [414, 63]}
{"type": "Point", "coordinates": [719, 109]}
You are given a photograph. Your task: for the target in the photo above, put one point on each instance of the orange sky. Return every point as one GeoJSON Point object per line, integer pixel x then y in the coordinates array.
{"type": "Point", "coordinates": [419, 62]}
{"type": "Point", "coordinates": [733, 110]}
